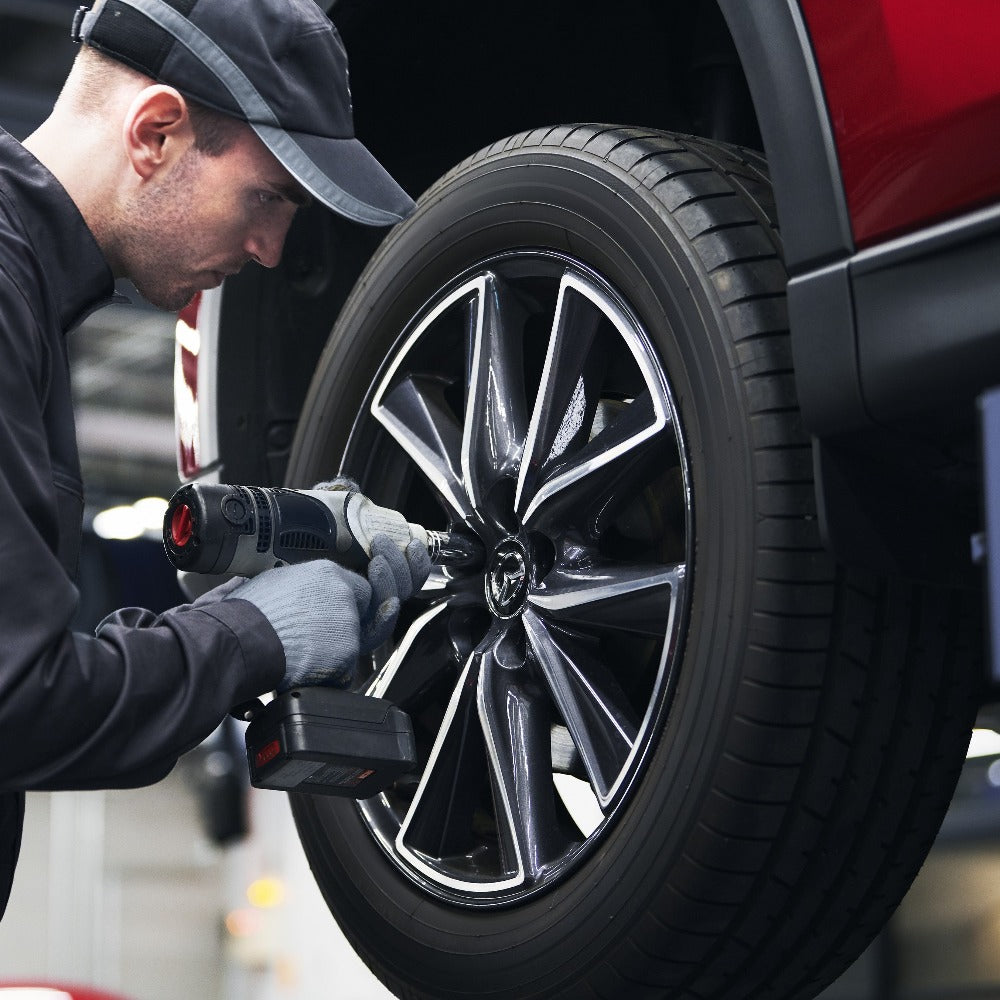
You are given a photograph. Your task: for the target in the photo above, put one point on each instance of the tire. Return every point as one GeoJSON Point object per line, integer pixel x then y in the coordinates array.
{"type": "Point", "coordinates": [770, 741]}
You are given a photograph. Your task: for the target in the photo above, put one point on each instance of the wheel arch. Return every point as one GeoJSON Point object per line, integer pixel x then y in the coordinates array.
{"type": "Point", "coordinates": [432, 85]}
{"type": "Point", "coordinates": [777, 57]}
{"type": "Point", "coordinates": [722, 69]}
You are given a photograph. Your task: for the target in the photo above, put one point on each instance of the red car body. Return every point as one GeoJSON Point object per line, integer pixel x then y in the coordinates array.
{"type": "Point", "coordinates": [917, 122]}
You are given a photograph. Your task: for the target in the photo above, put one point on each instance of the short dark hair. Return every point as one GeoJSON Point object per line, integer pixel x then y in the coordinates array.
{"type": "Point", "coordinates": [214, 132]}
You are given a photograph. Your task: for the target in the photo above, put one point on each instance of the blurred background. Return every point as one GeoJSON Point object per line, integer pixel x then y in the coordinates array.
{"type": "Point", "coordinates": [198, 887]}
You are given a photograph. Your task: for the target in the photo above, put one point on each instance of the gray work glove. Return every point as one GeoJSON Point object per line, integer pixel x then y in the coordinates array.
{"type": "Point", "coordinates": [394, 576]}
{"type": "Point", "coordinates": [326, 616]}
{"type": "Point", "coordinates": [315, 609]}
{"type": "Point", "coordinates": [218, 593]}
{"type": "Point", "coordinates": [338, 483]}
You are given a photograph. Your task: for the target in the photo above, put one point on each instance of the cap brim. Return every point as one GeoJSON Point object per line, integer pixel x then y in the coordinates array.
{"type": "Point", "coordinates": [363, 190]}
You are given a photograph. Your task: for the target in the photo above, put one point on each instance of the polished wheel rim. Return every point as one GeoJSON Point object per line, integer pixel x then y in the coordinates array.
{"type": "Point", "coordinates": [527, 403]}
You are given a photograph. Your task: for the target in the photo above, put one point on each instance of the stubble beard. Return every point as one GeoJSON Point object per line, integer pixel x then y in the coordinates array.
{"type": "Point", "coordinates": [155, 237]}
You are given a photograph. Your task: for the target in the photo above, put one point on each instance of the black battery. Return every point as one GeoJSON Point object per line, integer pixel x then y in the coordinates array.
{"type": "Point", "coordinates": [323, 741]}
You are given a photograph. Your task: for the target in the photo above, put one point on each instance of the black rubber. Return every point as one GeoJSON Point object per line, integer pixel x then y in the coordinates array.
{"type": "Point", "coordinates": [820, 717]}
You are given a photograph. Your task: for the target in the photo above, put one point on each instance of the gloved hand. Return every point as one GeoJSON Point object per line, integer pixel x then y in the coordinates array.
{"type": "Point", "coordinates": [338, 483]}
{"type": "Point", "coordinates": [394, 576]}
{"type": "Point", "coordinates": [315, 608]}
{"type": "Point", "coordinates": [325, 616]}
{"type": "Point", "coordinates": [223, 590]}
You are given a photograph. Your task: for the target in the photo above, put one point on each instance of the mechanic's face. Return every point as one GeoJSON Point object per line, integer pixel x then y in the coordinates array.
{"type": "Point", "coordinates": [206, 217]}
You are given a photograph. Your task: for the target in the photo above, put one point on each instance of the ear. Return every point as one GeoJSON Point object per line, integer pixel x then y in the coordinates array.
{"type": "Point", "coordinates": [157, 129]}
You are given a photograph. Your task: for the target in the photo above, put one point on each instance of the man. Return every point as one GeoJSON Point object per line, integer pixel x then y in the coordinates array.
{"type": "Point", "coordinates": [187, 134]}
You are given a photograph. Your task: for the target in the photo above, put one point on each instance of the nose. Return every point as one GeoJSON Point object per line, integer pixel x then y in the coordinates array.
{"type": "Point", "coordinates": [265, 244]}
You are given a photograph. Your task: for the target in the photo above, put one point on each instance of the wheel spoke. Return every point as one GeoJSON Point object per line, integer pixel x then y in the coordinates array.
{"type": "Point", "coordinates": [590, 486]}
{"type": "Point", "coordinates": [416, 661]}
{"type": "Point", "coordinates": [496, 412]}
{"type": "Point", "coordinates": [596, 711]}
{"type": "Point", "coordinates": [638, 599]}
{"type": "Point", "coordinates": [569, 390]}
{"type": "Point", "coordinates": [415, 412]}
{"type": "Point", "coordinates": [440, 820]}
{"type": "Point", "coordinates": [517, 725]}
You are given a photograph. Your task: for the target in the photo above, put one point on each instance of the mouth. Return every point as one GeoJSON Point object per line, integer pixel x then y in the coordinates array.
{"type": "Point", "coordinates": [220, 276]}
{"type": "Point", "coordinates": [213, 277]}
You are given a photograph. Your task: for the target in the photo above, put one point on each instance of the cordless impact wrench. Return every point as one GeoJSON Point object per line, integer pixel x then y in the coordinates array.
{"type": "Point", "coordinates": [315, 740]}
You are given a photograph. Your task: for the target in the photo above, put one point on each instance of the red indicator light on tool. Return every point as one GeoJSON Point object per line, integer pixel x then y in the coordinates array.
{"type": "Point", "coordinates": [267, 753]}
{"type": "Point", "coordinates": [180, 526]}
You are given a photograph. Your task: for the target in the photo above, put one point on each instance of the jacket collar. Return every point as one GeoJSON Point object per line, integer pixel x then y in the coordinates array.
{"type": "Point", "coordinates": [75, 268]}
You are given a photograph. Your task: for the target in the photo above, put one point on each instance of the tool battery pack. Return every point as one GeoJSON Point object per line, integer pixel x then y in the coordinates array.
{"type": "Point", "coordinates": [322, 741]}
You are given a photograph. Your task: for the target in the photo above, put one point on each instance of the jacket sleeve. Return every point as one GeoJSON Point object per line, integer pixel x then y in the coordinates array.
{"type": "Point", "coordinates": [118, 708]}
{"type": "Point", "coordinates": [176, 676]}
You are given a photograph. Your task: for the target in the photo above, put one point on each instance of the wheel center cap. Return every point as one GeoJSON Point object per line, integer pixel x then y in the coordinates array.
{"type": "Point", "coordinates": [507, 578]}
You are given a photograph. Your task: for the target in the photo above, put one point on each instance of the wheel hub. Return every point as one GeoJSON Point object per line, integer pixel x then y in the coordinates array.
{"type": "Point", "coordinates": [507, 578]}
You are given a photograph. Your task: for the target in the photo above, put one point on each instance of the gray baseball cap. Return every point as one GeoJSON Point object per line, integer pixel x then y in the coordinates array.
{"type": "Point", "coordinates": [278, 65]}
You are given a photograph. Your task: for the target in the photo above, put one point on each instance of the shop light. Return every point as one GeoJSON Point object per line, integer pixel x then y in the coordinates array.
{"type": "Point", "coordinates": [134, 520]}
{"type": "Point", "coordinates": [266, 893]}
{"type": "Point", "coordinates": [242, 923]}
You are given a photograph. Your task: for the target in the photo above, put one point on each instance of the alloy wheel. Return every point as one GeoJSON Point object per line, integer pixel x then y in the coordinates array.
{"type": "Point", "coordinates": [526, 402]}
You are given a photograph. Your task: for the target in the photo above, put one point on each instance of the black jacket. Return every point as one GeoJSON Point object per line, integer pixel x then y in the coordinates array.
{"type": "Point", "coordinates": [78, 711]}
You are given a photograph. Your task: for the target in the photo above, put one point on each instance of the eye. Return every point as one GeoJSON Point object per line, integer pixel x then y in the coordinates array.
{"type": "Point", "coordinates": [267, 198]}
